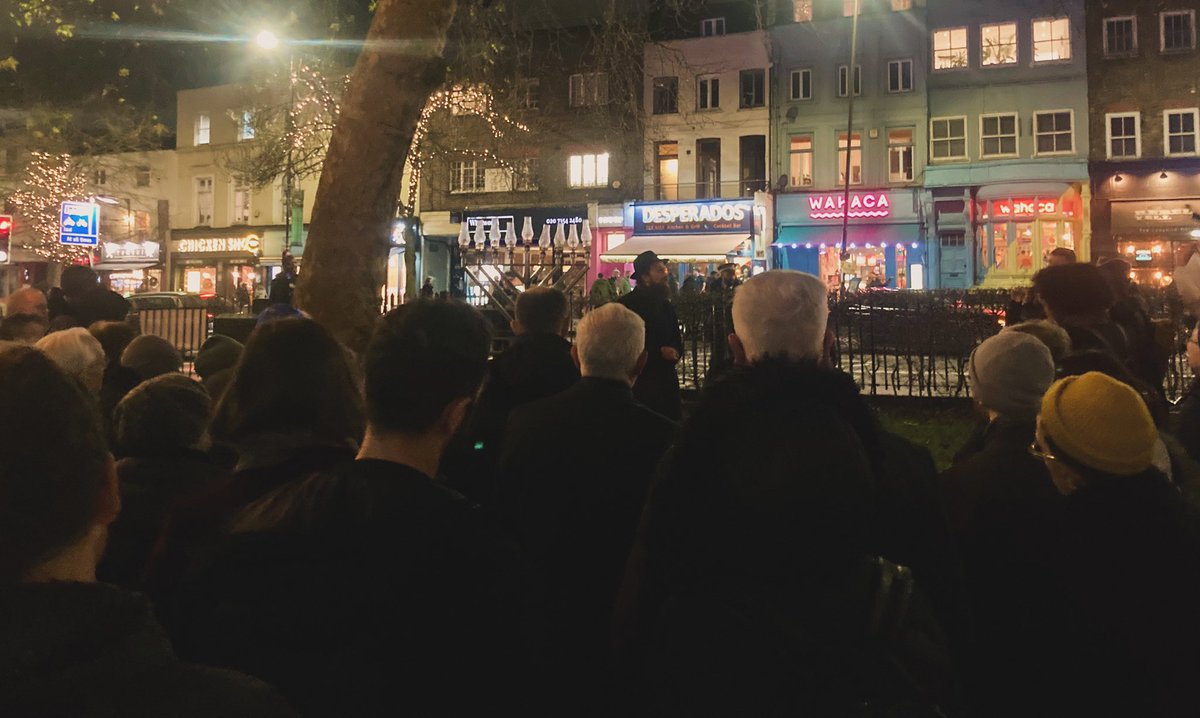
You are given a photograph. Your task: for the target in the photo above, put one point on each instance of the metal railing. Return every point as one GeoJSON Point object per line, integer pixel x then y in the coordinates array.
{"type": "Point", "coordinates": [705, 190]}
{"type": "Point", "coordinates": [186, 329]}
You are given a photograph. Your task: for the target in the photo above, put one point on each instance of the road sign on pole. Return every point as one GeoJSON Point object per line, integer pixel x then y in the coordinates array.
{"type": "Point", "coordinates": [79, 224]}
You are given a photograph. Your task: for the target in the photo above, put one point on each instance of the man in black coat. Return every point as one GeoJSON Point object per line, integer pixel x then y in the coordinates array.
{"type": "Point", "coordinates": [658, 386]}
{"type": "Point", "coordinates": [575, 518]}
{"type": "Point", "coordinates": [82, 301]}
{"type": "Point", "coordinates": [70, 645]}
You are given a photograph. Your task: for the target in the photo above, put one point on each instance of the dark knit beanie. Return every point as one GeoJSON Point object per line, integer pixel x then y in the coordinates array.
{"type": "Point", "coordinates": [166, 413]}
{"type": "Point", "coordinates": [218, 353]}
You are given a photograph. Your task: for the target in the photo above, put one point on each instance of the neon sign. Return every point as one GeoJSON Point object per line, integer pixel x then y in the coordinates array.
{"type": "Point", "coordinates": [870, 205]}
{"type": "Point", "coordinates": [700, 217]}
{"type": "Point", "coordinates": [1025, 207]}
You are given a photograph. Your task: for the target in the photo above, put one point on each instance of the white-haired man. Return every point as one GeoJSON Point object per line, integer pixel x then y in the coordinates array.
{"type": "Point", "coordinates": [781, 314]}
{"type": "Point", "coordinates": [574, 475]}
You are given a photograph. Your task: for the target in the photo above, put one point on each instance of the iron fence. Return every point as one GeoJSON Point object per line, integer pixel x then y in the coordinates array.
{"type": "Point", "coordinates": [185, 328]}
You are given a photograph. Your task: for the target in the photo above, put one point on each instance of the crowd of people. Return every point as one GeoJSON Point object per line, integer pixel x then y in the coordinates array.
{"type": "Point", "coordinates": [422, 529]}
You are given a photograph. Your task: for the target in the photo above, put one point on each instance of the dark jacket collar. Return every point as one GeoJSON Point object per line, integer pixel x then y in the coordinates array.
{"type": "Point", "coordinates": [597, 386]}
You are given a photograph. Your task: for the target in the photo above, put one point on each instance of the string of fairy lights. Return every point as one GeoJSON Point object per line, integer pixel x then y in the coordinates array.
{"type": "Point", "coordinates": [48, 181]}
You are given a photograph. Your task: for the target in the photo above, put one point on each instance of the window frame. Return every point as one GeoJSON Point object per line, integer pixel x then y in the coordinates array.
{"type": "Point", "coordinates": [906, 5]}
{"type": "Point", "coordinates": [584, 99]}
{"type": "Point", "coordinates": [478, 171]}
{"type": "Point", "coordinates": [1034, 132]}
{"type": "Point", "coordinates": [529, 94]}
{"type": "Point", "coordinates": [1162, 31]}
{"type": "Point", "coordinates": [236, 186]}
{"type": "Point", "coordinates": [1033, 42]}
{"type": "Point", "coordinates": [597, 182]}
{"type": "Point", "coordinates": [1016, 26]}
{"type": "Point", "coordinates": [812, 155]}
{"type": "Point", "coordinates": [246, 126]}
{"type": "Point", "coordinates": [912, 153]}
{"type": "Point", "coordinates": [850, 147]}
{"type": "Point", "coordinates": [966, 65]}
{"type": "Point", "coordinates": [800, 72]}
{"type": "Point", "coordinates": [668, 82]}
{"type": "Point", "coordinates": [966, 138]}
{"type": "Point", "coordinates": [142, 171]}
{"type": "Point", "coordinates": [713, 23]}
{"type": "Point", "coordinates": [709, 79]}
{"type": "Point", "coordinates": [1105, 35]}
{"type": "Point", "coordinates": [912, 78]}
{"type": "Point", "coordinates": [1016, 135]}
{"type": "Point", "coordinates": [1137, 134]}
{"type": "Point", "coordinates": [843, 71]}
{"type": "Point", "coordinates": [202, 125]}
{"type": "Point", "coordinates": [742, 74]}
{"type": "Point", "coordinates": [212, 194]}
{"type": "Point", "coordinates": [1195, 113]}
{"type": "Point", "coordinates": [526, 175]}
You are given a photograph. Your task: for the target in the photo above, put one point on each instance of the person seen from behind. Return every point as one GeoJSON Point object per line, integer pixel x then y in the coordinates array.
{"type": "Point", "coordinates": [82, 300]}
{"type": "Point", "coordinates": [28, 300]}
{"type": "Point", "coordinates": [78, 354]}
{"type": "Point", "coordinates": [602, 291]}
{"type": "Point", "coordinates": [23, 328]}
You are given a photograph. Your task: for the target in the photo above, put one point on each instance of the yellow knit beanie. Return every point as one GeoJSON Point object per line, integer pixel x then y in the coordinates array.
{"type": "Point", "coordinates": [1100, 422]}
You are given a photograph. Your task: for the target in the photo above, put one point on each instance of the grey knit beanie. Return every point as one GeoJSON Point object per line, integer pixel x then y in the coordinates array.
{"type": "Point", "coordinates": [166, 413]}
{"type": "Point", "coordinates": [1009, 373]}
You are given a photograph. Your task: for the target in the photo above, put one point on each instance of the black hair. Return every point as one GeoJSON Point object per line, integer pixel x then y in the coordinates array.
{"type": "Point", "coordinates": [1065, 253]}
{"type": "Point", "coordinates": [12, 325]}
{"type": "Point", "coordinates": [542, 310]}
{"type": "Point", "coordinates": [77, 279]}
{"type": "Point", "coordinates": [1073, 290]}
{"type": "Point", "coordinates": [423, 356]}
{"type": "Point", "coordinates": [53, 469]}
{"type": "Point", "coordinates": [150, 356]}
{"type": "Point", "coordinates": [114, 337]}
{"type": "Point", "coordinates": [292, 377]}
{"type": "Point", "coordinates": [1080, 363]}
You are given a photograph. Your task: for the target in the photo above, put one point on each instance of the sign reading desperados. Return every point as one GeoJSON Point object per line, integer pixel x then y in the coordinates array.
{"type": "Point", "coordinates": [710, 217]}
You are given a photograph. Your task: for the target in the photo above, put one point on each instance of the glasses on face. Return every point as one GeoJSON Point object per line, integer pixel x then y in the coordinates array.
{"type": "Point", "coordinates": [1036, 451]}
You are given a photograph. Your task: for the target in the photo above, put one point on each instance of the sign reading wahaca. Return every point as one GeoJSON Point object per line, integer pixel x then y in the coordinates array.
{"type": "Point", "coordinates": [705, 217]}
{"type": "Point", "coordinates": [868, 205]}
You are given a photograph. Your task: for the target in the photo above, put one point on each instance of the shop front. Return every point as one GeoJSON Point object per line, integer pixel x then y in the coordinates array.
{"type": "Point", "coordinates": [1156, 236]}
{"type": "Point", "coordinates": [885, 241]}
{"type": "Point", "coordinates": [215, 266]}
{"type": "Point", "coordinates": [1018, 226]}
{"type": "Point", "coordinates": [130, 267]}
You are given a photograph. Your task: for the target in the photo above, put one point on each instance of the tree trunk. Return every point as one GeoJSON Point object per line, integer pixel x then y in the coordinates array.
{"type": "Point", "coordinates": [345, 260]}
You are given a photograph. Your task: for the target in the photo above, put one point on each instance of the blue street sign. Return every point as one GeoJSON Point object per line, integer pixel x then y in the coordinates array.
{"type": "Point", "coordinates": [79, 223]}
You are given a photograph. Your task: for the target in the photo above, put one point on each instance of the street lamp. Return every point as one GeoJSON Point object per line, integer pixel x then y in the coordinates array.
{"type": "Point", "coordinates": [267, 40]}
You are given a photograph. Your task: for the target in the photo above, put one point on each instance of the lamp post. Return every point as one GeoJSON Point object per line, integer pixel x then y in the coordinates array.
{"type": "Point", "coordinates": [849, 130]}
{"type": "Point", "coordinates": [269, 41]}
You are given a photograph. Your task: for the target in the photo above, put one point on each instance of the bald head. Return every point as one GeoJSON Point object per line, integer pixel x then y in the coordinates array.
{"type": "Point", "coordinates": [28, 300]}
{"type": "Point", "coordinates": [781, 313]}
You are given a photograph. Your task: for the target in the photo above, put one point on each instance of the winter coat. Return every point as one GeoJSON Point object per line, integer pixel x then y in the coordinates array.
{"type": "Point", "coordinates": [576, 518]}
{"type": "Point", "coordinates": [1187, 420]}
{"type": "Point", "coordinates": [80, 649]}
{"type": "Point", "coordinates": [602, 293]}
{"type": "Point", "coordinates": [658, 386]}
{"type": "Point", "coordinates": [367, 591]}
{"type": "Point", "coordinates": [96, 305]}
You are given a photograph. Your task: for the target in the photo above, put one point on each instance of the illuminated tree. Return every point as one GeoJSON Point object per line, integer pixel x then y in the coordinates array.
{"type": "Point", "coordinates": [49, 180]}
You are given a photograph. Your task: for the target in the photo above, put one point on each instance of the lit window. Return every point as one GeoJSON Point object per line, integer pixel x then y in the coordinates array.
{"type": "Point", "coordinates": [246, 126]}
{"type": "Point", "coordinates": [203, 129]}
{"type": "Point", "coordinates": [467, 176]}
{"type": "Point", "coordinates": [855, 150]}
{"type": "Point", "coordinates": [948, 138]}
{"type": "Point", "coordinates": [712, 26]}
{"type": "Point", "coordinates": [999, 44]}
{"type": "Point", "coordinates": [589, 89]}
{"type": "Point", "coordinates": [1179, 129]}
{"type": "Point", "coordinates": [900, 76]}
{"type": "Point", "coordinates": [1052, 39]}
{"type": "Point", "coordinates": [708, 93]}
{"type": "Point", "coordinates": [950, 48]}
{"type": "Point", "coordinates": [843, 77]}
{"type": "Point", "coordinates": [528, 94]}
{"type": "Point", "coordinates": [998, 135]}
{"type": "Point", "coordinates": [801, 88]}
{"type": "Point", "coordinates": [802, 10]}
{"type": "Point", "coordinates": [241, 202]}
{"type": "Point", "coordinates": [801, 161]}
{"type": "Point", "coordinates": [901, 5]}
{"type": "Point", "coordinates": [753, 89]}
{"type": "Point", "coordinates": [900, 155]}
{"type": "Point", "coordinates": [1124, 134]}
{"type": "Point", "coordinates": [204, 201]}
{"type": "Point", "coordinates": [666, 95]}
{"type": "Point", "coordinates": [589, 170]}
{"type": "Point", "coordinates": [667, 179]}
{"type": "Point", "coordinates": [1120, 36]}
{"type": "Point", "coordinates": [1178, 30]}
{"type": "Point", "coordinates": [1053, 132]}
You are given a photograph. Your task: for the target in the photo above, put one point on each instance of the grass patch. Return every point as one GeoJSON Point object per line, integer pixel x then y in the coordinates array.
{"type": "Point", "coordinates": [940, 425]}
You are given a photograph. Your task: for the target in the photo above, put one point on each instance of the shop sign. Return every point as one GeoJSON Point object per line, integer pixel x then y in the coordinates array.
{"type": "Point", "coordinates": [1024, 207]}
{"type": "Point", "coordinates": [129, 251]}
{"type": "Point", "coordinates": [863, 205]}
{"type": "Point", "coordinates": [1152, 217]}
{"type": "Point", "coordinates": [212, 245]}
{"type": "Point", "coordinates": [705, 217]}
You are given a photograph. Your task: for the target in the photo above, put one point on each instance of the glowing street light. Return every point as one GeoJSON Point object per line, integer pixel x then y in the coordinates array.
{"type": "Point", "coordinates": [267, 40]}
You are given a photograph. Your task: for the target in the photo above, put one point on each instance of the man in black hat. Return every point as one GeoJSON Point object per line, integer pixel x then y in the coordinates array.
{"type": "Point", "coordinates": [658, 386]}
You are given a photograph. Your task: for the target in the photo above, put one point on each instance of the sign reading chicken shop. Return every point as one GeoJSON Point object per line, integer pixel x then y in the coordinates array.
{"type": "Point", "coordinates": [705, 217]}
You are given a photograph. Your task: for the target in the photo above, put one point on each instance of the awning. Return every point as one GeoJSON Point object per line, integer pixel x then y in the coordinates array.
{"type": "Point", "coordinates": [860, 234]}
{"type": "Point", "coordinates": [1009, 190]}
{"type": "Point", "coordinates": [678, 247]}
{"type": "Point", "coordinates": [121, 267]}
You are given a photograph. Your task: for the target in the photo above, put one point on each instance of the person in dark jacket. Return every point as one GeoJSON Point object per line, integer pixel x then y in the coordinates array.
{"type": "Point", "coordinates": [70, 646]}
{"type": "Point", "coordinates": [576, 519]}
{"type": "Point", "coordinates": [658, 386]}
{"type": "Point", "coordinates": [118, 380]}
{"type": "Point", "coordinates": [293, 409]}
{"type": "Point", "coordinates": [149, 356]}
{"type": "Point", "coordinates": [215, 363]}
{"type": "Point", "coordinates": [1131, 312]}
{"type": "Point", "coordinates": [83, 301]}
{"type": "Point", "coordinates": [1077, 298]}
{"type": "Point", "coordinates": [161, 431]}
{"type": "Point", "coordinates": [373, 589]}
{"type": "Point", "coordinates": [1118, 628]}
{"type": "Point", "coordinates": [283, 285]}
{"type": "Point", "coordinates": [1023, 303]}
{"type": "Point", "coordinates": [536, 365]}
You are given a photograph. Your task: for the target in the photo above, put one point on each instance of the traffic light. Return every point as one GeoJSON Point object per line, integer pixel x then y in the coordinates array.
{"type": "Point", "coordinates": [6, 226]}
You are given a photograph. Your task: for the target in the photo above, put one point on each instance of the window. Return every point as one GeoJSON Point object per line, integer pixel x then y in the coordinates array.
{"type": "Point", "coordinates": [801, 85]}
{"type": "Point", "coordinates": [667, 170]}
{"type": "Point", "coordinates": [246, 126]}
{"type": "Point", "coordinates": [708, 93]}
{"type": "Point", "coordinates": [142, 176]}
{"type": "Point", "coordinates": [800, 156]}
{"type": "Point", "coordinates": [855, 150]}
{"type": "Point", "coordinates": [712, 26]}
{"type": "Point", "coordinates": [950, 48]}
{"type": "Point", "coordinates": [848, 7]}
{"type": "Point", "coordinates": [589, 89]}
{"type": "Point", "coordinates": [204, 201]}
{"type": "Point", "coordinates": [900, 155]}
{"type": "Point", "coordinates": [589, 170]}
{"type": "Point", "coordinates": [241, 202]}
{"type": "Point", "coordinates": [1120, 36]}
{"type": "Point", "coordinates": [1179, 130]}
{"type": "Point", "coordinates": [666, 95]}
{"type": "Point", "coordinates": [802, 10]}
{"type": "Point", "coordinates": [1177, 30]}
{"type": "Point", "coordinates": [1052, 39]}
{"type": "Point", "coordinates": [948, 138]}
{"type": "Point", "coordinates": [497, 179]}
{"type": "Point", "coordinates": [525, 175]}
{"type": "Point", "coordinates": [843, 73]}
{"type": "Point", "coordinates": [1053, 132]}
{"type": "Point", "coordinates": [901, 5]}
{"type": "Point", "coordinates": [201, 136]}
{"type": "Point", "coordinates": [1124, 134]}
{"type": "Point", "coordinates": [529, 93]}
{"type": "Point", "coordinates": [998, 135]}
{"type": "Point", "coordinates": [101, 177]}
{"type": "Point", "coordinates": [998, 44]}
{"type": "Point", "coordinates": [466, 176]}
{"type": "Point", "coordinates": [753, 89]}
{"type": "Point", "coordinates": [900, 76]}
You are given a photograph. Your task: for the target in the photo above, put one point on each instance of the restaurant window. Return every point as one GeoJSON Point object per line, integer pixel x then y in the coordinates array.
{"type": "Point", "coordinates": [800, 155]}
{"type": "Point", "coordinates": [1053, 132]}
{"type": "Point", "coordinates": [900, 155]}
{"type": "Point", "coordinates": [998, 135]}
{"type": "Point", "coordinates": [1052, 39]}
{"type": "Point", "coordinates": [712, 26]}
{"type": "Point", "coordinates": [588, 89]}
{"type": "Point", "coordinates": [998, 44]}
{"type": "Point", "coordinates": [1179, 129]}
{"type": "Point", "coordinates": [1000, 246]}
{"type": "Point", "coordinates": [950, 48]}
{"type": "Point", "coordinates": [801, 84]}
{"type": "Point", "coordinates": [843, 79]}
{"type": "Point", "coordinates": [666, 95]}
{"type": "Point", "coordinates": [708, 93]}
{"type": "Point", "coordinates": [590, 170]}
{"type": "Point", "coordinates": [204, 201]}
{"type": "Point", "coordinates": [948, 138]}
{"type": "Point", "coordinates": [802, 10]}
{"type": "Point", "coordinates": [1124, 134]}
{"type": "Point", "coordinates": [900, 76]}
{"type": "Point", "coordinates": [753, 88]}
{"type": "Point", "coordinates": [1120, 36]}
{"type": "Point", "coordinates": [855, 150]}
{"type": "Point", "coordinates": [466, 176]}
{"type": "Point", "coordinates": [1177, 30]}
